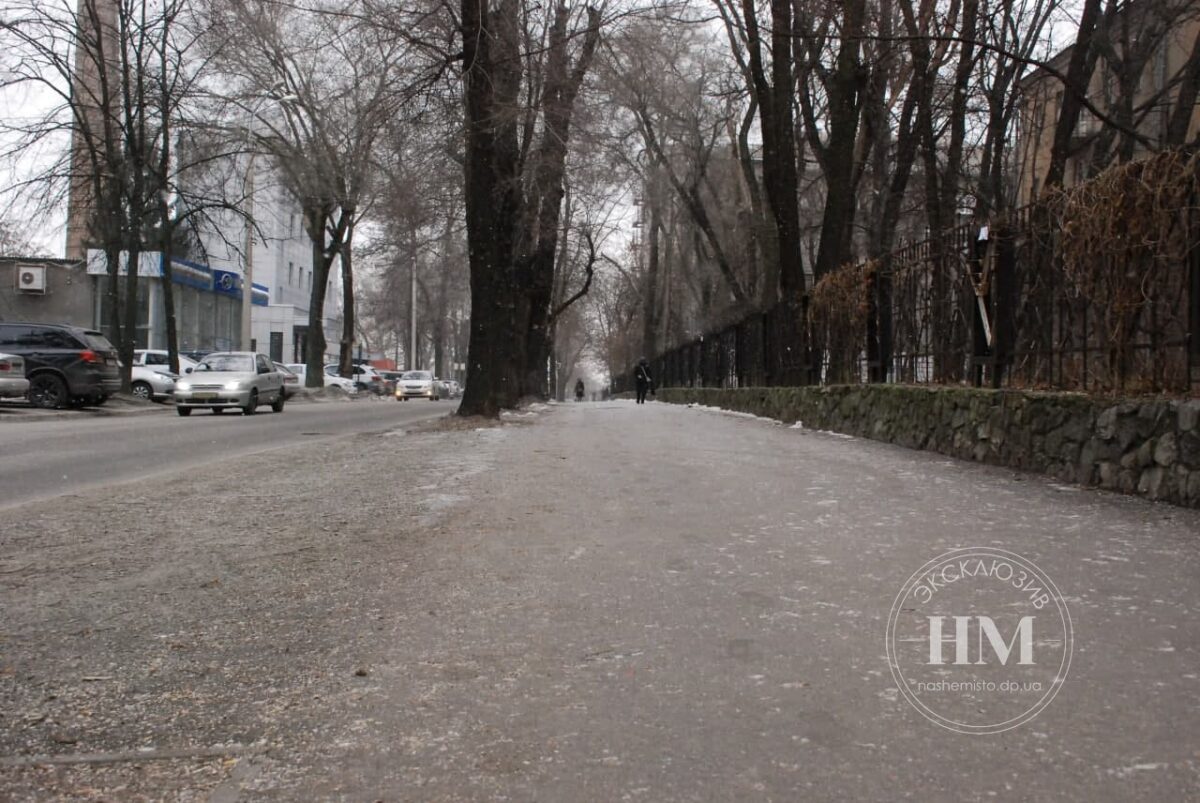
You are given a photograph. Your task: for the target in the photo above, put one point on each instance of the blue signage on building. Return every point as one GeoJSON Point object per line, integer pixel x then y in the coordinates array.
{"type": "Point", "coordinates": [227, 283]}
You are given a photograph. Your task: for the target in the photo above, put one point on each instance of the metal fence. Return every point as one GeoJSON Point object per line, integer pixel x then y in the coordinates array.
{"type": "Point", "coordinates": [984, 306]}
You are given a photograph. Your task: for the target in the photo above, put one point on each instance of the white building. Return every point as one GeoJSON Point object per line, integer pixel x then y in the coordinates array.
{"type": "Point", "coordinates": [280, 266]}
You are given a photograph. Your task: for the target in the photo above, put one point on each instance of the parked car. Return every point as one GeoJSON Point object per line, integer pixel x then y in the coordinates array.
{"type": "Point", "coordinates": [418, 385]}
{"type": "Point", "coordinates": [150, 384]}
{"type": "Point", "coordinates": [365, 377]}
{"type": "Point", "coordinates": [291, 382]}
{"type": "Point", "coordinates": [230, 379]}
{"type": "Point", "coordinates": [453, 391]}
{"type": "Point", "coordinates": [65, 365]}
{"type": "Point", "coordinates": [301, 371]}
{"type": "Point", "coordinates": [159, 360]}
{"type": "Point", "coordinates": [12, 376]}
{"type": "Point", "coordinates": [392, 379]}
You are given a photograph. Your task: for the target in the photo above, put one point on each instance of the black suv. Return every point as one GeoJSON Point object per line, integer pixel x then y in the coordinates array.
{"type": "Point", "coordinates": [65, 365]}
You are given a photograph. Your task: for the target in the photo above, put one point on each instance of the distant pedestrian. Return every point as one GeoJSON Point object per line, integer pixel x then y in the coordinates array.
{"type": "Point", "coordinates": [579, 390]}
{"type": "Point", "coordinates": [643, 380]}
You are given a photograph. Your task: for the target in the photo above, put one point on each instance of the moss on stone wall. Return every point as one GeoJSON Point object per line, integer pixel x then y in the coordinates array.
{"type": "Point", "coordinates": [1149, 447]}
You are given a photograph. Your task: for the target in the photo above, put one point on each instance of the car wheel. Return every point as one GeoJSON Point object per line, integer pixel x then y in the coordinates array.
{"type": "Point", "coordinates": [142, 390]}
{"type": "Point", "coordinates": [218, 410]}
{"type": "Point", "coordinates": [277, 405]}
{"type": "Point", "coordinates": [183, 411]}
{"type": "Point", "coordinates": [253, 404]}
{"type": "Point", "coordinates": [48, 391]}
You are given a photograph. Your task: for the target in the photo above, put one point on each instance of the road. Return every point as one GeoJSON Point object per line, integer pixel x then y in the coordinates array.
{"type": "Point", "coordinates": [42, 458]}
{"type": "Point", "coordinates": [592, 602]}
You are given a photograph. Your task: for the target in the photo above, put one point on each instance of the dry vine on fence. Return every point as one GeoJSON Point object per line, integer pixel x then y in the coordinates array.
{"type": "Point", "coordinates": [1125, 243]}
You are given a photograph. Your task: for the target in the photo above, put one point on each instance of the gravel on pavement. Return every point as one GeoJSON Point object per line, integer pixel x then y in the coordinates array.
{"type": "Point", "coordinates": [588, 602]}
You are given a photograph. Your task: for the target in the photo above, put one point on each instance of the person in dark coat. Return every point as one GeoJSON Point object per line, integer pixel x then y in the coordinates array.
{"type": "Point", "coordinates": [643, 380]}
{"type": "Point", "coordinates": [579, 390]}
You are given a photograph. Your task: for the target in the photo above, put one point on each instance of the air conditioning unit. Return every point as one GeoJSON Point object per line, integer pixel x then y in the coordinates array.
{"type": "Point", "coordinates": [31, 278]}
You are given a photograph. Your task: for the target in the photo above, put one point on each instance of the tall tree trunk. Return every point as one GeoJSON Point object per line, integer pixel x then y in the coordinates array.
{"type": "Point", "coordinates": [314, 346]}
{"type": "Point", "coordinates": [1185, 101]}
{"type": "Point", "coordinates": [650, 291]}
{"type": "Point", "coordinates": [780, 173]}
{"type": "Point", "coordinates": [346, 349]}
{"type": "Point", "coordinates": [958, 113]}
{"type": "Point", "coordinates": [128, 340]}
{"type": "Point", "coordinates": [845, 106]}
{"type": "Point", "coordinates": [1079, 74]}
{"type": "Point", "coordinates": [325, 247]}
{"type": "Point", "coordinates": [112, 293]}
{"type": "Point", "coordinates": [441, 312]}
{"type": "Point", "coordinates": [562, 83]}
{"type": "Point", "coordinates": [491, 80]}
{"type": "Point", "coordinates": [168, 290]}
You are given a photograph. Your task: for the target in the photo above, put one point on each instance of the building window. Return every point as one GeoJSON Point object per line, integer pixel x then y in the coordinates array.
{"type": "Point", "coordinates": [290, 269]}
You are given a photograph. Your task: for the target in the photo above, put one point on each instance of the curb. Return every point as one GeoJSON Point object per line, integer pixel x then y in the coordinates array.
{"type": "Point", "coordinates": [17, 414]}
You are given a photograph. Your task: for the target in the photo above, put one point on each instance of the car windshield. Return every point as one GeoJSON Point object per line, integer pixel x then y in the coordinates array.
{"type": "Point", "coordinates": [227, 362]}
{"type": "Point", "coordinates": [418, 375]}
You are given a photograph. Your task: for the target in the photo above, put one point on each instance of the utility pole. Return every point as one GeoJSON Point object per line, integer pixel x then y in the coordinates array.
{"type": "Point", "coordinates": [412, 311]}
{"type": "Point", "coordinates": [248, 261]}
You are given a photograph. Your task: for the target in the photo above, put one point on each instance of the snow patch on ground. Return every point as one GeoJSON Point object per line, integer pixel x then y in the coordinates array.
{"type": "Point", "coordinates": [773, 422]}
{"type": "Point", "coordinates": [735, 414]}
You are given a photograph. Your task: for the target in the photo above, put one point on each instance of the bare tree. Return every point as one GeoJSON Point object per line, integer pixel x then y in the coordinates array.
{"type": "Point", "coordinates": [115, 77]}
{"type": "Point", "coordinates": [336, 82]}
{"type": "Point", "coordinates": [513, 181]}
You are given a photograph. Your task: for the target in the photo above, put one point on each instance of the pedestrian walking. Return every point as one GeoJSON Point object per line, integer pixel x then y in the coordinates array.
{"type": "Point", "coordinates": [579, 389]}
{"type": "Point", "coordinates": [643, 380]}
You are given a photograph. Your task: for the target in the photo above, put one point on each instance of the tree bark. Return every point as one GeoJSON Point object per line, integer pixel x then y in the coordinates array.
{"type": "Point", "coordinates": [491, 79]}
{"type": "Point", "coordinates": [780, 173]}
{"type": "Point", "coordinates": [844, 90]}
{"type": "Point", "coordinates": [346, 349]}
{"type": "Point", "coordinates": [1185, 101]}
{"type": "Point", "coordinates": [1079, 74]}
{"type": "Point", "coordinates": [326, 242]}
{"type": "Point", "coordinates": [562, 83]}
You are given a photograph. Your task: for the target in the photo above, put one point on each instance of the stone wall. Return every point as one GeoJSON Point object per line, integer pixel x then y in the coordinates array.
{"type": "Point", "coordinates": [1149, 447]}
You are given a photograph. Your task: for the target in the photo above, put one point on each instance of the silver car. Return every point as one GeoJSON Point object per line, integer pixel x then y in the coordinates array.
{"type": "Point", "coordinates": [152, 385]}
{"type": "Point", "coordinates": [230, 379]}
{"type": "Point", "coordinates": [12, 376]}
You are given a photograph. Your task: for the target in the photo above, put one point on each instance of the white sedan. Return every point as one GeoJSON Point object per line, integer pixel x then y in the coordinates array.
{"type": "Point", "coordinates": [152, 385]}
{"type": "Point", "coordinates": [418, 385]}
{"type": "Point", "coordinates": [12, 376]}
{"type": "Point", "coordinates": [300, 370]}
{"type": "Point", "coordinates": [159, 361]}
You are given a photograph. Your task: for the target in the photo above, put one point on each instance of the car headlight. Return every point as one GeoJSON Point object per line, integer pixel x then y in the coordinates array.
{"type": "Point", "coordinates": [235, 385]}
{"type": "Point", "coordinates": [183, 385]}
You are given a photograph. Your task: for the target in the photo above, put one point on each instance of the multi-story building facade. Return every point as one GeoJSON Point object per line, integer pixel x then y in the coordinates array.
{"type": "Point", "coordinates": [1154, 75]}
{"type": "Point", "coordinates": [266, 239]}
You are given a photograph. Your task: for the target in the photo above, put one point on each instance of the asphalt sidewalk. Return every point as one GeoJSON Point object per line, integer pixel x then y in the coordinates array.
{"type": "Point", "coordinates": [593, 602]}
